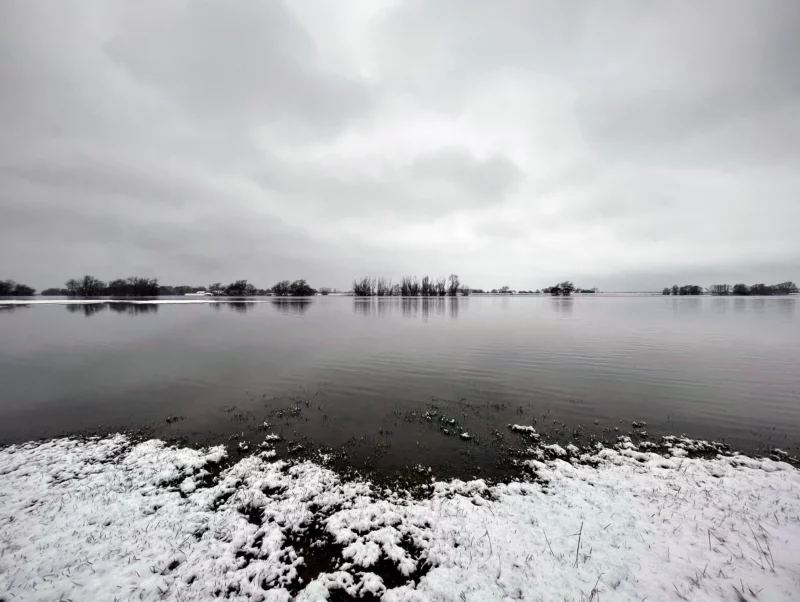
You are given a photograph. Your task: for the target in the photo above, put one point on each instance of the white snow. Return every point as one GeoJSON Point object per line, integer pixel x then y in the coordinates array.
{"type": "Point", "coordinates": [134, 301]}
{"type": "Point", "coordinates": [525, 430]}
{"type": "Point", "coordinates": [107, 519]}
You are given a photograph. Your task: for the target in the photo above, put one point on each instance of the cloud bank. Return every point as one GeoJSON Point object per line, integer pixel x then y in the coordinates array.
{"type": "Point", "coordinates": [625, 145]}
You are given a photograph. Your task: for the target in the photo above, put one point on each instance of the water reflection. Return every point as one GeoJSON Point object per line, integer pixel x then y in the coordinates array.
{"type": "Point", "coordinates": [363, 307]}
{"type": "Point", "coordinates": [690, 304]}
{"type": "Point", "coordinates": [292, 306]}
{"type": "Point", "coordinates": [11, 308]}
{"type": "Point", "coordinates": [454, 304]}
{"type": "Point", "coordinates": [563, 305]}
{"type": "Point", "coordinates": [133, 309]}
{"type": "Point", "coordinates": [414, 307]}
{"type": "Point", "coordinates": [786, 306]}
{"type": "Point", "coordinates": [130, 309]}
{"type": "Point", "coordinates": [410, 307]}
{"type": "Point", "coordinates": [720, 305]}
{"type": "Point", "coordinates": [87, 309]}
{"type": "Point", "coordinates": [426, 308]}
{"type": "Point", "coordinates": [693, 370]}
{"type": "Point", "coordinates": [240, 307]}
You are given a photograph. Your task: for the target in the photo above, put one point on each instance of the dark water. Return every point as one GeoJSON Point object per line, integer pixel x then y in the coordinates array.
{"type": "Point", "coordinates": [338, 370]}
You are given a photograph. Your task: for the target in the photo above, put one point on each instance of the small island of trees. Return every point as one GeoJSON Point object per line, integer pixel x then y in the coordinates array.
{"type": "Point", "coordinates": [410, 286]}
{"type": "Point", "coordinates": [89, 286]}
{"type": "Point", "coordinates": [784, 288]}
{"type": "Point", "coordinates": [566, 288]}
{"type": "Point", "coordinates": [9, 288]}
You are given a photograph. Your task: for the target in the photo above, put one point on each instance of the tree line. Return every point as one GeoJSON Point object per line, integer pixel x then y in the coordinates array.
{"type": "Point", "coordinates": [242, 288]}
{"type": "Point", "coordinates": [410, 286]}
{"type": "Point", "coordinates": [89, 286]}
{"type": "Point", "coordinates": [566, 288]}
{"type": "Point", "coordinates": [9, 288]}
{"type": "Point", "coordinates": [784, 288]}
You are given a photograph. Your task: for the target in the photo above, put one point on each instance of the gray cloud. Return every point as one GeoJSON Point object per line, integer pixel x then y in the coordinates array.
{"type": "Point", "coordinates": [234, 62]}
{"type": "Point", "coordinates": [617, 144]}
{"type": "Point", "coordinates": [432, 184]}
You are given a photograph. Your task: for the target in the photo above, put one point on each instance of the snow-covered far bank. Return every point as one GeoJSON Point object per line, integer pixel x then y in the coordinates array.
{"type": "Point", "coordinates": [108, 519]}
{"type": "Point", "coordinates": [138, 301]}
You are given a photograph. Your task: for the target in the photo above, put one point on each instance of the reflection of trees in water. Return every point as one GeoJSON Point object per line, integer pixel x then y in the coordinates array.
{"type": "Point", "coordinates": [719, 306]}
{"type": "Point", "coordinates": [287, 305]}
{"type": "Point", "coordinates": [10, 308]}
{"type": "Point", "coordinates": [134, 309]}
{"type": "Point", "coordinates": [88, 309]}
{"type": "Point", "coordinates": [240, 307]}
{"type": "Point", "coordinates": [563, 305]}
{"type": "Point", "coordinates": [363, 306]}
{"type": "Point", "coordinates": [410, 307]}
{"type": "Point", "coordinates": [456, 304]}
{"type": "Point", "coordinates": [130, 309]}
{"type": "Point", "coordinates": [786, 306]}
{"type": "Point", "coordinates": [691, 304]}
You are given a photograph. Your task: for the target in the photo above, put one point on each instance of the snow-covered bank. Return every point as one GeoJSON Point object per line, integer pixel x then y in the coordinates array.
{"type": "Point", "coordinates": [109, 519]}
{"type": "Point", "coordinates": [134, 301]}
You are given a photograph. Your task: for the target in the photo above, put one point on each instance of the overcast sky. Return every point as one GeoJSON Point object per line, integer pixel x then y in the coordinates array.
{"type": "Point", "coordinates": [624, 145]}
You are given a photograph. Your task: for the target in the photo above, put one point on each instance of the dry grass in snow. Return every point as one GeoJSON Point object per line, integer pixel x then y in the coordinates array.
{"type": "Point", "coordinates": [111, 520]}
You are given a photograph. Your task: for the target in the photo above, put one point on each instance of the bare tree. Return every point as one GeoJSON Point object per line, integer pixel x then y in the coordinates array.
{"type": "Point", "coordinates": [719, 289]}
{"type": "Point", "coordinates": [364, 287]}
{"type": "Point", "coordinates": [281, 289]}
{"type": "Point", "coordinates": [454, 285]}
{"type": "Point", "coordinates": [567, 288]}
{"type": "Point", "coordinates": [426, 289]}
{"type": "Point", "coordinates": [383, 287]}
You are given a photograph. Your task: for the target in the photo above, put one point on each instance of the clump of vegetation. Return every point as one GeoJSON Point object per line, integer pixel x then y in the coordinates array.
{"type": "Point", "coordinates": [180, 290]}
{"type": "Point", "coordinates": [722, 290]}
{"type": "Point", "coordinates": [383, 288]}
{"type": "Point", "coordinates": [564, 289]}
{"type": "Point", "coordinates": [687, 289]}
{"type": "Point", "coordinates": [364, 287]}
{"type": "Point", "coordinates": [88, 286]}
{"type": "Point", "coordinates": [410, 286]}
{"type": "Point", "coordinates": [133, 287]}
{"type": "Point", "coordinates": [241, 288]}
{"type": "Point", "coordinates": [298, 288]}
{"type": "Point", "coordinates": [9, 288]}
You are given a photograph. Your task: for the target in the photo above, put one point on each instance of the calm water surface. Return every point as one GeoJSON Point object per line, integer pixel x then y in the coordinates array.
{"type": "Point", "coordinates": [352, 368]}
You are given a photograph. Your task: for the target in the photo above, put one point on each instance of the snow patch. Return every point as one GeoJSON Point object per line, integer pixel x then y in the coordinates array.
{"type": "Point", "coordinates": [106, 518]}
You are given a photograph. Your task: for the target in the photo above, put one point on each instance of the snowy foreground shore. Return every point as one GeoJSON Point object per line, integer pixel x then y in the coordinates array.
{"type": "Point", "coordinates": [112, 520]}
